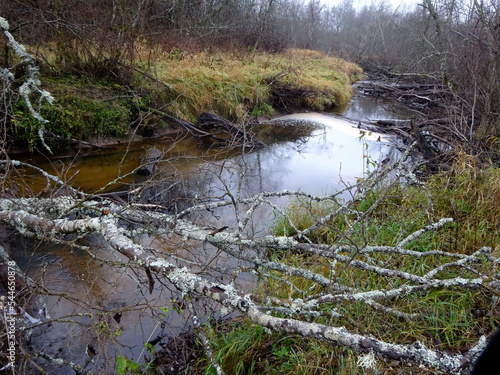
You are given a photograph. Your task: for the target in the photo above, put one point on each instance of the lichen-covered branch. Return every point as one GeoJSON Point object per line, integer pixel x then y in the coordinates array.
{"type": "Point", "coordinates": [31, 84]}
{"type": "Point", "coordinates": [64, 215]}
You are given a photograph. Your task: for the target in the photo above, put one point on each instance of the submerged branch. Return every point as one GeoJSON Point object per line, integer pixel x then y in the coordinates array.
{"type": "Point", "coordinates": [234, 136]}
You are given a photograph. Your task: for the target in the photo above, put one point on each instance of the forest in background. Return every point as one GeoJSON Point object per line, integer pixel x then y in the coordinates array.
{"type": "Point", "coordinates": [401, 278]}
{"type": "Point", "coordinates": [454, 43]}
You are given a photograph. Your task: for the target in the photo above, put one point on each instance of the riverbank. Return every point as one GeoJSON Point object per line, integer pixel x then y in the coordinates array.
{"type": "Point", "coordinates": [397, 221]}
{"type": "Point", "coordinates": [238, 85]}
{"type": "Point", "coordinates": [450, 319]}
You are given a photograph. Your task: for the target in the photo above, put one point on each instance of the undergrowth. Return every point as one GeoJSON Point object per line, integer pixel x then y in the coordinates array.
{"type": "Point", "coordinates": [83, 109]}
{"type": "Point", "coordinates": [443, 319]}
{"type": "Point", "coordinates": [467, 194]}
{"type": "Point", "coordinates": [236, 85]}
{"type": "Point", "coordinates": [244, 348]}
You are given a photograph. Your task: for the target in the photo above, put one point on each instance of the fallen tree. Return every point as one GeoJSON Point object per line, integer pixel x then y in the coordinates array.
{"type": "Point", "coordinates": [418, 95]}
{"type": "Point", "coordinates": [182, 261]}
{"type": "Point", "coordinates": [121, 226]}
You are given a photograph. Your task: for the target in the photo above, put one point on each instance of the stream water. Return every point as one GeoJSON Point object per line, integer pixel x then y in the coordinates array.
{"type": "Point", "coordinates": [312, 152]}
{"type": "Point", "coordinates": [309, 151]}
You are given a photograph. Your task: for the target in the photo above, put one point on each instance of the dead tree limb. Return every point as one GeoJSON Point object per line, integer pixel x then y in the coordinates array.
{"type": "Point", "coordinates": [53, 217]}
{"type": "Point", "coordinates": [120, 227]}
{"type": "Point", "coordinates": [211, 120]}
{"type": "Point", "coordinates": [234, 136]}
{"type": "Point", "coordinates": [16, 213]}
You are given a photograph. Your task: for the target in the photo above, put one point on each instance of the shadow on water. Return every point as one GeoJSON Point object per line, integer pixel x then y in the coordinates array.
{"type": "Point", "coordinates": [312, 152]}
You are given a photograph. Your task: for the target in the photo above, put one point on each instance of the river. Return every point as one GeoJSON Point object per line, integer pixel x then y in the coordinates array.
{"type": "Point", "coordinates": [308, 151]}
{"type": "Point", "coordinates": [311, 152]}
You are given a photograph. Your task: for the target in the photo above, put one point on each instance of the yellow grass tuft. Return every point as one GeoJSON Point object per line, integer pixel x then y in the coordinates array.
{"type": "Point", "coordinates": [235, 84]}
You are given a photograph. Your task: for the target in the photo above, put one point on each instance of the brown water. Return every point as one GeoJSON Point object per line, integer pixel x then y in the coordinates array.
{"type": "Point", "coordinates": [313, 156]}
{"type": "Point", "coordinates": [311, 152]}
{"type": "Point", "coordinates": [92, 170]}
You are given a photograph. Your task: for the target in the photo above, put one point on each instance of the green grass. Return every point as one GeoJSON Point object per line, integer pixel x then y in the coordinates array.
{"type": "Point", "coordinates": [244, 348]}
{"type": "Point", "coordinates": [469, 195]}
{"type": "Point", "coordinates": [82, 109]}
{"type": "Point", "coordinates": [444, 319]}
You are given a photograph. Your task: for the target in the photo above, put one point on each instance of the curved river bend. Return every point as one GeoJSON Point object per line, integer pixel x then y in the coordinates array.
{"type": "Point", "coordinates": [316, 153]}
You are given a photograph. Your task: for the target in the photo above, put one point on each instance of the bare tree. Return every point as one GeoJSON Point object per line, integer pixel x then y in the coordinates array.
{"type": "Point", "coordinates": [187, 268]}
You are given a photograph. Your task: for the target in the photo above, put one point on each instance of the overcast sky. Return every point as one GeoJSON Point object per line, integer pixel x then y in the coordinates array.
{"type": "Point", "coordinates": [395, 3]}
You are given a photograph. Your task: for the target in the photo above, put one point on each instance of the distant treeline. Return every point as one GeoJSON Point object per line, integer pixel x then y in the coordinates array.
{"type": "Point", "coordinates": [454, 42]}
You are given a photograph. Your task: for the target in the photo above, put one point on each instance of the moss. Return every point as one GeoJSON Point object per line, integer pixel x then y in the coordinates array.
{"type": "Point", "coordinates": [82, 117]}
{"type": "Point", "coordinates": [81, 110]}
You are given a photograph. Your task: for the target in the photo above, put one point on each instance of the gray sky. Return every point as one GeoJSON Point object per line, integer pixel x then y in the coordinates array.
{"type": "Point", "coordinates": [395, 3]}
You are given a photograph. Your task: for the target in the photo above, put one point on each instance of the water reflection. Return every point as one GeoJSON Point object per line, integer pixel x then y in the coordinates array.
{"type": "Point", "coordinates": [312, 152]}
{"type": "Point", "coordinates": [315, 153]}
{"type": "Point", "coordinates": [334, 153]}
{"type": "Point", "coordinates": [362, 108]}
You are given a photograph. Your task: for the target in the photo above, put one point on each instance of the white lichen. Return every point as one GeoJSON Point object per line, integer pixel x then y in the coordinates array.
{"type": "Point", "coordinates": [367, 361]}
{"type": "Point", "coordinates": [184, 280]}
{"type": "Point", "coordinates": [225, 310]}
{"type": "Point", "coordinates": [4, 24]}
{"type": "Point", "coordinates": [7, 76]}
{"type": "Point", "coordinates": [160, 263]}
{"type": "Point", "coordinates": [31, 84]}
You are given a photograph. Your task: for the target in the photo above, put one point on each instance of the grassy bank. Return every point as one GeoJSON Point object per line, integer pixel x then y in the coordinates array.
{"type": "Point", "coordinates": [241, 83]}
{"type": "Point", "coordinates": [468, 193]}
{"type": "Point", "coordinates": [441, 318]}
{"type": "Point", "coordinates": [236, 85]}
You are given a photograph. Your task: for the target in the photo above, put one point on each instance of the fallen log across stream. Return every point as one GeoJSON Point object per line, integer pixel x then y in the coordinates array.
{"type": "Point", "coordinates": [216, 128]}
{"type": "Point", "coordinates": [417, 95]}
{"type": "Point", "coordinates": [408, 131]}
{"type": "Point", "coordinates": [208, 121]}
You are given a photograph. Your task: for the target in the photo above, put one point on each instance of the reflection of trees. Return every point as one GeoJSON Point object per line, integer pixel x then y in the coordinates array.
{"type": "Point", "coordinates": [206, 271]}
{"type": "Point", "coordinates": [246, 174]}
{"type": "Point", "coordinates": [279, 131]}
{"type": "Point", "coordinates": [450, 42]}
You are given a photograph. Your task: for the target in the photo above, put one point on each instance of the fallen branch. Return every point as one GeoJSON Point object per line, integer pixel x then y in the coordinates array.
{"type": "Point", "coordinates": [13, 213]}
{"type": "Point", "coordinates": [120, 226]}
{"type": "Point", "coordinates": [235, 137]}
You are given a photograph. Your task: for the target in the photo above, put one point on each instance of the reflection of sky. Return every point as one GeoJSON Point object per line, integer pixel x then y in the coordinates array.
{"type": "Point", "coordinates": [332, 154]}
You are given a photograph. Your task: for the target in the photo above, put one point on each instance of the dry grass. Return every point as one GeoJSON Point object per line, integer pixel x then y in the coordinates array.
{"type": "Point", "coordinates": [235, 84]}
{"type": "Point", "coordinates": [239, 83]}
